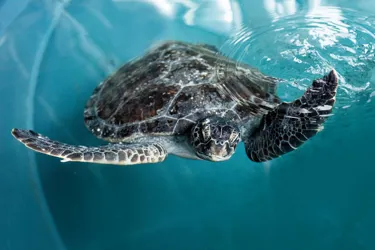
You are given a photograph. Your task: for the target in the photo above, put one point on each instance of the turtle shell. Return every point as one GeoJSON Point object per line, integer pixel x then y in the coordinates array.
{"type": "Point", "coordinates": [171, 87]}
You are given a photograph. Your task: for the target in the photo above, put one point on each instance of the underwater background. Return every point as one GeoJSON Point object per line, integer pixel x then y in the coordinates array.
{"type": "Point", "coordinates": [321, 196]}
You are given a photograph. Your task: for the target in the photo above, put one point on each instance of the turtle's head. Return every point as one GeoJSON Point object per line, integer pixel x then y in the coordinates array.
{"type": "Point", "coordinates": [214, 139]}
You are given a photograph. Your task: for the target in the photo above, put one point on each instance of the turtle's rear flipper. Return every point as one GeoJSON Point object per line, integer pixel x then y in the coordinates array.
{"type": "Point", "coordinates": [117, 154]}
{"type": "Point", "coordinates": [289, 125]}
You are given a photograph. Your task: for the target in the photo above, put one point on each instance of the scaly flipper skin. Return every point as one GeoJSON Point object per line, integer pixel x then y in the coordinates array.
{"type": "Point", "coordinates": [289, 125]}
{"type": "Point", "coordinates": [116, 154]}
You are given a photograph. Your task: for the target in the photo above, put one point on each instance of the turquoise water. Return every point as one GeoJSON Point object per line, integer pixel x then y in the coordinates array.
{"type": "Point", "coordinates": [321, 196]}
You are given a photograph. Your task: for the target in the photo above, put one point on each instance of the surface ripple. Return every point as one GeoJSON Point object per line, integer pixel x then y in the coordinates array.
{"type": "Point", "coordinates": [301, 47]}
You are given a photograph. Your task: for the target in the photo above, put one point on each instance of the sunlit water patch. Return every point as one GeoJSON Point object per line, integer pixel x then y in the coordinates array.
{"type": "Point", "coordinates": [301, 47]}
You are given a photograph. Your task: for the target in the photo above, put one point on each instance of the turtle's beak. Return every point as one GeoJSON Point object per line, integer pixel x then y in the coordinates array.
{"type": "Point", "coordinates": [220, 152]}
{"type": "Point", "coordinates": [219, 158]}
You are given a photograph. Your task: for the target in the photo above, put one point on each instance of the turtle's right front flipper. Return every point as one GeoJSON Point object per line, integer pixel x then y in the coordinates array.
{"type": "Point", "coordinates": [289, 125]}
{"type": "Point", "coordinates": [117, 154]}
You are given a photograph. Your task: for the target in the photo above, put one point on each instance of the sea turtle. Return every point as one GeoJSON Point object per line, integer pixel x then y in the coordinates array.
{"type": "Point", "coordinates": [189, 100]}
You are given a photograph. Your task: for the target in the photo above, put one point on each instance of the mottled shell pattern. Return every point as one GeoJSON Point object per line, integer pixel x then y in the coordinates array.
{"type": "Point", "coordinates": [172, 86]}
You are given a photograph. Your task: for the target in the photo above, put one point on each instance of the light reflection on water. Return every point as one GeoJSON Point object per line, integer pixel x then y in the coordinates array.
{"type": "Point", "coordinates": [312, 41]}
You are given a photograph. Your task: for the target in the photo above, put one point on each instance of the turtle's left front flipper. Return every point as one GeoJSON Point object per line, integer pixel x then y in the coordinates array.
{"type": "Point", "coordinates": [117, 154]}
{"type": "Point", "coordinates": [289, 125]}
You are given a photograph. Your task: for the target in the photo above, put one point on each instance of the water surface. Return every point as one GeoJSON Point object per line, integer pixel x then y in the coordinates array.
{"type": "Point", "coordinates": [318, 197]}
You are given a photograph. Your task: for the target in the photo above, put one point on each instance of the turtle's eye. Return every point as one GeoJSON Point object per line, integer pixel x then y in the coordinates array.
{"type": "Point", "coordinates": [206, 132]}
{"type": "Point", "coordinates": [233, 136]}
